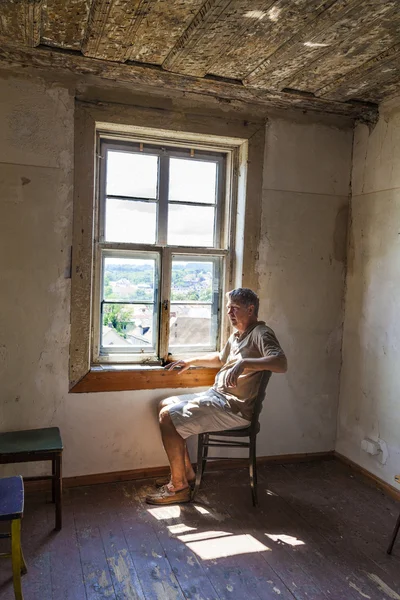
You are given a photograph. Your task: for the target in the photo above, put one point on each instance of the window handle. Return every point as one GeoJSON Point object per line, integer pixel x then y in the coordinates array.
{"type": "Point", "coordinates": [165, 304]}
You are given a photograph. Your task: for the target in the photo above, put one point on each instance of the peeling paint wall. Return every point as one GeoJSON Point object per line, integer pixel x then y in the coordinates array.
{"type": "Point", "coordinates": [300, 270]}
{"type": "Point", "coordinates": [370, 382]}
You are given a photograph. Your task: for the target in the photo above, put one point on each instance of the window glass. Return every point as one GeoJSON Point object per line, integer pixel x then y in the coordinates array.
{"type": "Point", "coordinates": [193, 310]}
{"type": "Point", "coordinates": [133, 175]}
{"type": "Point", "coordinates": [130, 221]}
{"type": "Point", "coordinates": [129, 293]}
{"type": "Point", "coordinates": [192, 180]}
{"type": "Point", "coordinates": [191, 225]}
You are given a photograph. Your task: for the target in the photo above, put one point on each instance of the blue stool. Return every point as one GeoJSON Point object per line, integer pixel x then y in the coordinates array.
{"type": "Point", "coordinates": [12, 509]}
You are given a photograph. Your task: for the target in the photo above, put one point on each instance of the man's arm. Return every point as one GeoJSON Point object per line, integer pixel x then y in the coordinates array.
{"type": "Point", "coordinates": [275, 364]}
{"type": "Point", "coordinates": [208, 360]}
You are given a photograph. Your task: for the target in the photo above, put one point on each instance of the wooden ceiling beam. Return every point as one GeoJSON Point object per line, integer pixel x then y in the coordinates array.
{"type": "Point", "coordinates": [365, 77]}
{"type": "Point", "coordinates": [20, 22]}
{"type": "Point", "coordinates": [110, 28]}
{"type": "Point", "coordinates": [161, 25]}
{"type": "Point", "coordinates": [295, 52]}
{"type": "Point", "coordinates": [217, 29]}
{"type": "Point", "coordinates": [145, 78]}
{"type": "Point", "coordinates": [64, 23]}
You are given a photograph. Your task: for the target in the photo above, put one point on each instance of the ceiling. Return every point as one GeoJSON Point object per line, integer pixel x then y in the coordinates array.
{"type": "Point", "coordinates": [328, 55]}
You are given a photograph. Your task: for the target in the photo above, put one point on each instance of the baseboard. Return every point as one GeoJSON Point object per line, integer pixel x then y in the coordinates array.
{"type": "Point", "coordinates": [380, 483]}
{"type": "Point", "coordinates": [151, 472]}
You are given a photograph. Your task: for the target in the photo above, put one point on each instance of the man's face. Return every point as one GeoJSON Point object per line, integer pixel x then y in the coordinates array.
{"type": "Point", "coordinates": [239, 315]}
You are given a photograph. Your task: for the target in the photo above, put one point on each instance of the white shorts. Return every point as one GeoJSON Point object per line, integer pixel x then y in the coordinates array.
{"type": "Point", "coordinates": [205, 411]}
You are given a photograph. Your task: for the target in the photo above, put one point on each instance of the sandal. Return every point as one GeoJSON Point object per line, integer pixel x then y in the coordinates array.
{"type": "Point", "coordinates": [165, 496]}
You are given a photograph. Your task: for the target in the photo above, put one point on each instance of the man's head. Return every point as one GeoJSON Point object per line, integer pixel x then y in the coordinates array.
{"type": "Point", "coordinates": [242, 308]}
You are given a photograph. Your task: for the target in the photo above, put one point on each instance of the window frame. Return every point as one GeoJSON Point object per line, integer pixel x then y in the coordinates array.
{"type": "Point", "coordinates": [241, 131]}
{"type": "Point", "coordinates": [165, 253]}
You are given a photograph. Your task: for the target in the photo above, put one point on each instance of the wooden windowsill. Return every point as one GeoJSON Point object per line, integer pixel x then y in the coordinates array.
{"type": "Point", "coordinates": [115, 378]}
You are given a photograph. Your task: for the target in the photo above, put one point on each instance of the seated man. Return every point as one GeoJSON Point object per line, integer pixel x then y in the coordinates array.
{"type": "Point", "coordinates": [252, 348]}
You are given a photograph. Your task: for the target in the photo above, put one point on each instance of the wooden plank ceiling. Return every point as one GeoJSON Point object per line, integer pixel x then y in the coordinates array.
{"type": "Point", "coordinates": [327, 55]}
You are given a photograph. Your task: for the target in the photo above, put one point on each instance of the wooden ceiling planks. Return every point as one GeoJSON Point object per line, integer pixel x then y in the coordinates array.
{"type": "Point", "coordinates": [304, 45]}
{"type": "Point", "coordinates": [161, 25]}
{"type": "Point", "coordinates": [64, 23]}
{"type": "Point", "coordinates": [110, 28]}
{"type": "Point", "coordinates": [325, 52]}
{"type": "Point", "coordinates": [375, 31]}
{"type": "Point", "coordinates": [270, 29]}
{"type": "Point", "coordinates": [20, 21]}
{"type": "Point", "coordinates": [368, 76]}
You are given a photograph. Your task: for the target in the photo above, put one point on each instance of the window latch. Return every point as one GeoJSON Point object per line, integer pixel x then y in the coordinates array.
{"type": "Point", "coordinates": [165, 304]}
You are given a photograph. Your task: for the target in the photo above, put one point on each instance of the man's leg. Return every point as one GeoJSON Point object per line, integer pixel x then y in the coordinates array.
{"type": "Point", "coordinates": [190, 474]}
{"type": "Point", "coordinates": [174, 446]}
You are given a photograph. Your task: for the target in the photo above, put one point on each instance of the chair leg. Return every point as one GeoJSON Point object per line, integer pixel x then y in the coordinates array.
{"type": "Point", "coordinates": [58, 491]}
{"type": "Point", "coordinates": [199, 469]}
{"type": "Point", "coordinates": [205, 453]}
{"type": "Point", "coordinates": [253, 471]}
{"type": "Point", "coordinates": [16, 556]}
{"type": "Point", "coordinates": [395, 532]}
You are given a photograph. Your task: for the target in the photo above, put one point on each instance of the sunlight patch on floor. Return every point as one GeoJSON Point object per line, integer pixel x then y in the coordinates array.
{"type": "Point", "coordinates": [180, 528]}
{"type": "Point", "coordinates": [230, 545]}
{"type": "Point", "coordinates": [286, 539]}
{"type": "Point", "coordinates": [165, 512]}
{"type": "Point", "coordinates": [202, 510]}
{"type": "Point", "coordinates": [203, 535]}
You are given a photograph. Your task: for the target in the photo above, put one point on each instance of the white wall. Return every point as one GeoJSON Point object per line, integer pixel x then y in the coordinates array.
{"type": "Point", "coordinates": [302, 268]}
{"type": "Point", "coordinates": [300, 271]}
{"type": "Point", "coordinates": [370, 382]}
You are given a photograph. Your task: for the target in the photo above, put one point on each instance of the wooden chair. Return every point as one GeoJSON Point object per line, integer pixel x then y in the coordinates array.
{"type": "Point", "coordinates": [33, 445]}
{"type": "Point", "coordinates": [11, 509]}
{"type": "Point", "coordinates": [210, 440]}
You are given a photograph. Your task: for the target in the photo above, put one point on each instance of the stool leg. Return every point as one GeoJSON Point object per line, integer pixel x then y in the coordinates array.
{"type": "Point", "coordinates": [58, 491]}
{"type": "Point", "coordinates": [16, 555]}
{"type": "Point", "coordinates": [54, 480]}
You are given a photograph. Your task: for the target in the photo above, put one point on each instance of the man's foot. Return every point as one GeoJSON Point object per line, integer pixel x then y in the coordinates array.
{"type": "Point", "coordinates": [161, 481]}
{"type": "Point", "coordinates": [167, 495]}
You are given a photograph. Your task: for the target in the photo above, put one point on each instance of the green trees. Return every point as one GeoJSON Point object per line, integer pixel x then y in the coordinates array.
{"type": "Point", "coordinates": [117, 317]}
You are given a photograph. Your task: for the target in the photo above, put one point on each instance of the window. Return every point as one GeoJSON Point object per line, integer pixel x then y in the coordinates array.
{"type": "Point", "coordinates": [161, 246]}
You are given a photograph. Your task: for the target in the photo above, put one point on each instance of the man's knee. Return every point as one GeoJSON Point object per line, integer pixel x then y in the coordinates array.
{"type": "Point", "coordinates": [164, 417]}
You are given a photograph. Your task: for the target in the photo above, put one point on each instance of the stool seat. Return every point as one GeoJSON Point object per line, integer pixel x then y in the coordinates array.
{"type": "Point", "coordinates": [31, 440]}
{"type": "Point", "coordinates": [37, 445]}
{"type": "Point", "coordinates": [11, 498]}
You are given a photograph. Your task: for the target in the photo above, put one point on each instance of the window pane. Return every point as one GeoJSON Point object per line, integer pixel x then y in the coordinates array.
{"type": "Point", "coordinates": [190, 325]}
{"type": "Point", "coordinates": [127, 326]}
{"type": "Point", "coordinates": [194, 289]}
{"type": "Point", "coordinates": [129, 279]}
{"type": "Point", "coordinates": [131, 174]}
{"type": "Point", "coordinates": [192, 180]}
{"type": "Point", "coordinates": [130, 221]}
{"type": "Point", "coordinates": [192, 281]}
{"type": "Point", "coordinates": [190, 225]}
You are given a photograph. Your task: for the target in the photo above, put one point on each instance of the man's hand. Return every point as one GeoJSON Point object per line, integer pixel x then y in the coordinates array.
{"type": "Point", "coordinates": [182, 365]}
{"type": "Point", "coordinates": [233, 373]}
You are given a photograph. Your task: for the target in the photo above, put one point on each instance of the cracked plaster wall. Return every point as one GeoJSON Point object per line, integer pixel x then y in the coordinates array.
{"type": "Point", "coordinates": [370, 379]}
{"type": "Point", "coordinates": [300, 271]}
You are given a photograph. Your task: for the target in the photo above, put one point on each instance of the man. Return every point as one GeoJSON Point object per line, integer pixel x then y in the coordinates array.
{"type": "Point", "coordinates": [251, 349]}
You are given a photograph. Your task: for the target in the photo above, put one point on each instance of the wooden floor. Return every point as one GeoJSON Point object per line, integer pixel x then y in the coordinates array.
{"type": "Point", "coordinates": [320, 532]}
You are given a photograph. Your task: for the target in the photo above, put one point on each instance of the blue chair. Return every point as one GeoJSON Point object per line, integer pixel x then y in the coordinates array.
{"type": "Point", "coordinates": [12, 509]}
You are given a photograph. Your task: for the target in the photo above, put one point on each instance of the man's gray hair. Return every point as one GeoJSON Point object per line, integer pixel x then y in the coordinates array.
{"type": "Point", "coordinates": [246, 297]}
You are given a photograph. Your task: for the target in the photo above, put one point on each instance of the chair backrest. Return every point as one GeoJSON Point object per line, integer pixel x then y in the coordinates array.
{"type": "Point", "coordinates": [265, 377]}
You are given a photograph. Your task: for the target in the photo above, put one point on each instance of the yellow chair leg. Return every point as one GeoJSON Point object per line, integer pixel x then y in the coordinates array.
{"type": "Point", "coordinates": [16, 557]}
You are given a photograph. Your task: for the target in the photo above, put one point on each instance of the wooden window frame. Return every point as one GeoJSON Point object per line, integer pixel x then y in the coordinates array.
{"type": "Point", "coordinates": [244, 144]}
{"type": "Point", "coordinates": [160, 250]}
